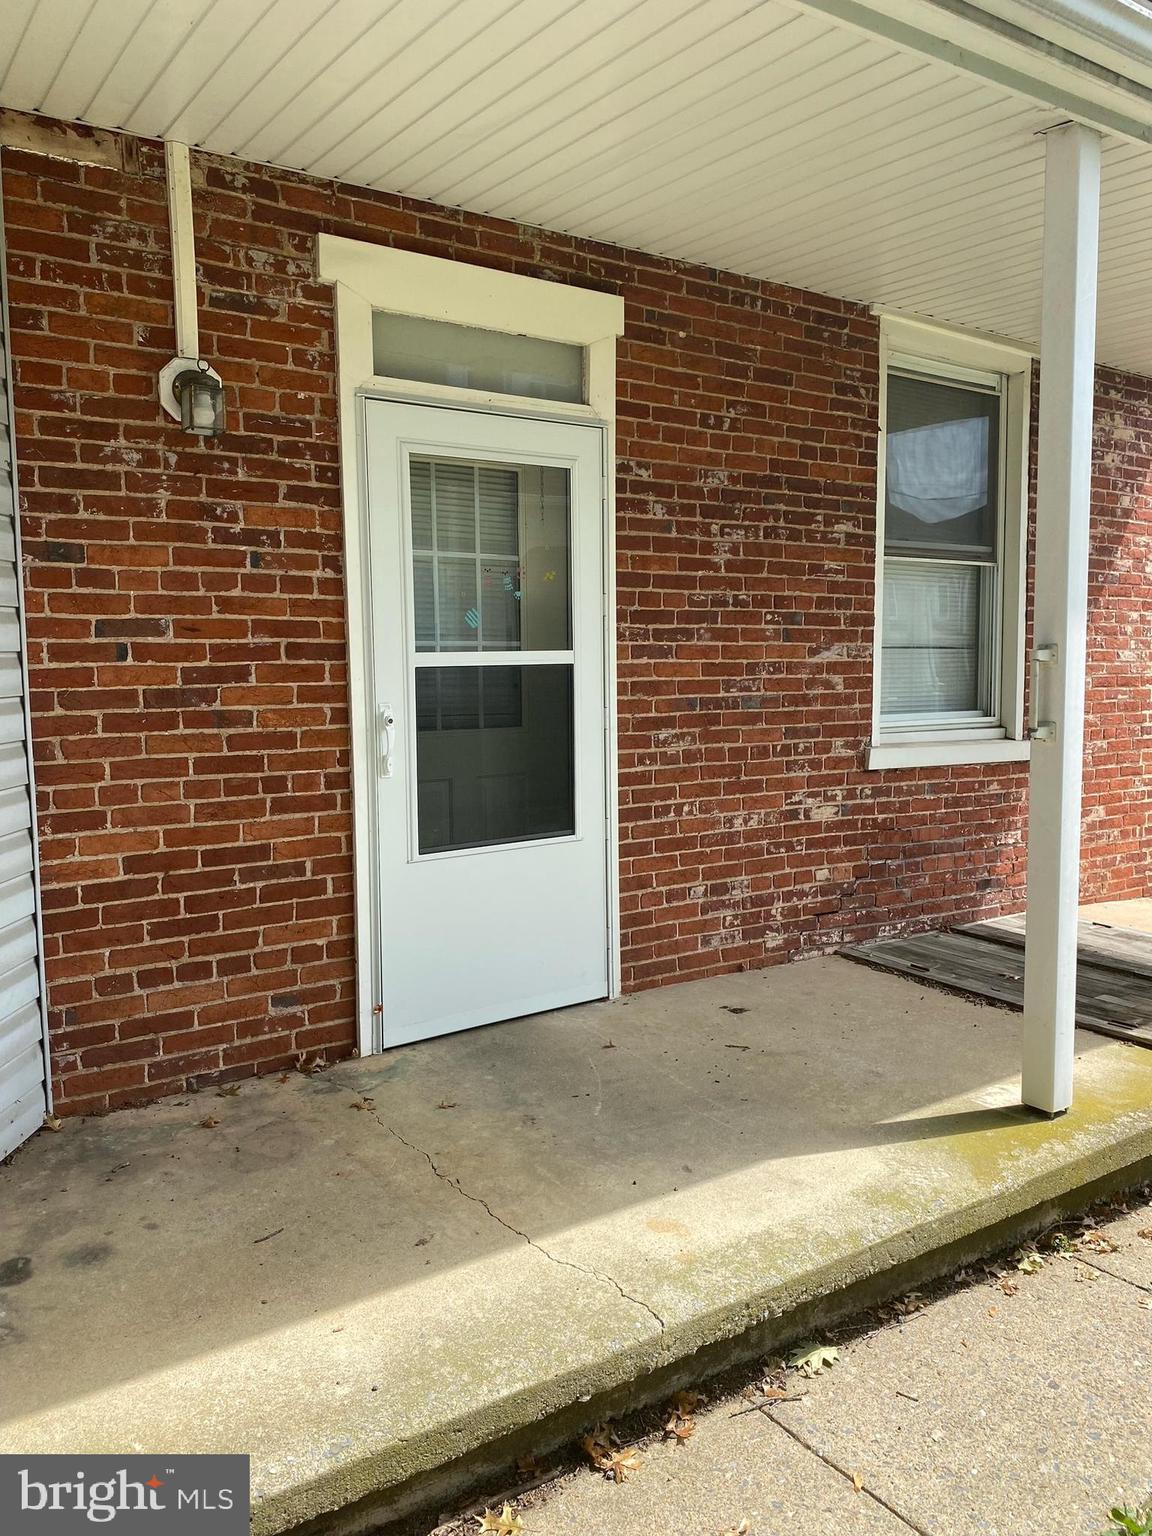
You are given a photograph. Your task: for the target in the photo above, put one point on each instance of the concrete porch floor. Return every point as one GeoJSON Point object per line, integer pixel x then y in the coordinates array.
{"type": "Point", "coordinates": [363, 1275]}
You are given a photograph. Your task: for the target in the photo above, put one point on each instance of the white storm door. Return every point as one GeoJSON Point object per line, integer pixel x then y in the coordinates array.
{"type": "Point", "coordinates": [487, 610]}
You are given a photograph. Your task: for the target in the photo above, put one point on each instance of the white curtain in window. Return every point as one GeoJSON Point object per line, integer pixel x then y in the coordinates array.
{"type": "Point", "coordinates": [931, 641]}
{"type": "Point", "coordinates": [939, 472]}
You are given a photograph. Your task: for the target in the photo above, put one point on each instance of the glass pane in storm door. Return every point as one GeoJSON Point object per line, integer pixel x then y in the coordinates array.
{"type": "Point", "coordinates": [494, 755]}
{"type": "Point", "coordinates": [490, 566]}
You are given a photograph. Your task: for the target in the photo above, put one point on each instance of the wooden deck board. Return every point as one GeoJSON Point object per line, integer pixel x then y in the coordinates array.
{"type": "Point", "coordinates": [1113, 981]}
{"type": "Point", "coordinates": [1101, 944]}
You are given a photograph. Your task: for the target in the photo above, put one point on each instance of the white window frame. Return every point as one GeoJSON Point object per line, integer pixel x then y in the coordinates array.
{"type": "Point", "coordinates": [369, 277]}
{"type": "Point", "coordinates": [936, 351]}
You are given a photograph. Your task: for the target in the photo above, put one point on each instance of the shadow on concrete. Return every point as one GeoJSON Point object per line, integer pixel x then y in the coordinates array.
{"type": "Point", "coordinates": [965, 1122]}
{"type": "Point", "coordinates": [645, 1138]}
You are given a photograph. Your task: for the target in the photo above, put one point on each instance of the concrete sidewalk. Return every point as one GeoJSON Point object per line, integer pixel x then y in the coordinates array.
{"type": "Point", "coordinates": [987, 1413]}
{"type": "Point", "coordinates": [382, 1279]}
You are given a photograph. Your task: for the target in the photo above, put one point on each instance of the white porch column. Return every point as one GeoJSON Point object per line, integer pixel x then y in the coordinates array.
{"type": "Point", "coordinates": [1060, 610]}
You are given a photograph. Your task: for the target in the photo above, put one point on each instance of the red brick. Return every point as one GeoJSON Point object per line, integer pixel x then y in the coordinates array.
{"type": "Point", "coordinates": [185, 620]}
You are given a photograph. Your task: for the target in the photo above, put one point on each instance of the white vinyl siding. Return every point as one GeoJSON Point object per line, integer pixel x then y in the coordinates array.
{"type": "Point", "coordinates": [24, 1091]}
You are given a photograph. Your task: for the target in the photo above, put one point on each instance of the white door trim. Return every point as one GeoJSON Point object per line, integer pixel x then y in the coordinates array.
{"type": "Point", "coordinates": [368, 277]}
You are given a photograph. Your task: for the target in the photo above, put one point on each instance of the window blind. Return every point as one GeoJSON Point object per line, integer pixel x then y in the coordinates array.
{"type": "Point", "coordinates": [465, 556]}
{"type": "Point", "coordinates": [931, 649]}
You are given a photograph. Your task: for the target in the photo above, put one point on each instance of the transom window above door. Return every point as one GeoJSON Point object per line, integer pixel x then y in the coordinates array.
{"type": "Point", "coordinates": [950, 589]}
{"type": "Point", "coordinates": [468, 357]}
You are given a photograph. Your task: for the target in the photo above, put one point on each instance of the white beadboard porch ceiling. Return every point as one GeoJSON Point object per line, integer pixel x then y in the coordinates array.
{"type": "Point", "coordinates": [761, 136]}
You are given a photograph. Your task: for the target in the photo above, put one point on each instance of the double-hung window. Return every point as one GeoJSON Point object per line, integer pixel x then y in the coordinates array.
{"type": "Point", "coordinates": [950, 566]}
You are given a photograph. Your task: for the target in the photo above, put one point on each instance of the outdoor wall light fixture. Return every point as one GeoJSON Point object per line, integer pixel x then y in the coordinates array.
{"type": "Point", "coordinates": [193, 393]}
{"type": "Point", "coordinates": [190, 390]}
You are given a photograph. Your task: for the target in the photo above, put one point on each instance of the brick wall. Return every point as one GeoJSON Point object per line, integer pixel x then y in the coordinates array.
{"type": "Point", "coordinates": [1117, 824]}
{"type": "Point", "coordinates": [187, 647]}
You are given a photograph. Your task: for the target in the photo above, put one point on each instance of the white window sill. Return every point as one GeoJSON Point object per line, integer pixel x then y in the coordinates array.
{"type": "Point", "coordinates": [943, 754]}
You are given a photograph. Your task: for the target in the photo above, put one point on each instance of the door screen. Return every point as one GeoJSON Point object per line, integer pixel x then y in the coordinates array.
{"type": "Point", "coordinates": [491, 579]}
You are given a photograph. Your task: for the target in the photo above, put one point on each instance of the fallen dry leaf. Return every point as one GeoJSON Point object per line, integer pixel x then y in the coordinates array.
{"type": "Point", "coordinates": [506, 1523]}
{"type": "Point", "coordinates": [1146, 1233]}
{"type": "Point", "coordinates": [811, 1359]}
{"type": "Point", "coordinates": [1009, 1287]}
{"type": "Point", "coordinates": [228, 1090]}
{"type": "Point", "coordinates": [208, 1123]}
{"type": "Point", "coordinates": [596, 1444]}
{"type": "Point", "coordinates": [679, 1428]}
{"type": "Point", "coordinates": [743, 1529]}
{"type": "Point", "coordinates": [774, 1373]}
{"type": "Point", "coordinates": [1098, 1242]}
{"type": "Point", "coordinates": [1029, 1263]}
{"type": "Point", "coordinates": [857, 1481]}
{"type": "Point", "coordinates": [621, 1463]}
{"type": "Point", "coordinates": [52, 1122]}
{"type": "Point", "coordinates": [906, 1305]}
{"type": "Point", "coordinates": [606, 1454]}
{"type": "Point", "coordinates": [444, 1104]}
{"type": "Point", "coordinates": [686, 1403]}
{"type": "Point", "coordinates": [528, 1466]}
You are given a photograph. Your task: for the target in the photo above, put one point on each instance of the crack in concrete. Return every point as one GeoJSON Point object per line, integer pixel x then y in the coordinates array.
{"type": "Point", "coordinates": [582, 1269]}
{"type": "Point", "coordinates": [1112, 1275]}
{"type": "Point", "coordinates": [828, 1461]}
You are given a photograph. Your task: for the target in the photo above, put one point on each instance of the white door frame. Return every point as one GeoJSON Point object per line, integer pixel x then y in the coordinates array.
{"type": "Point", "coordinates": [369, 277]}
